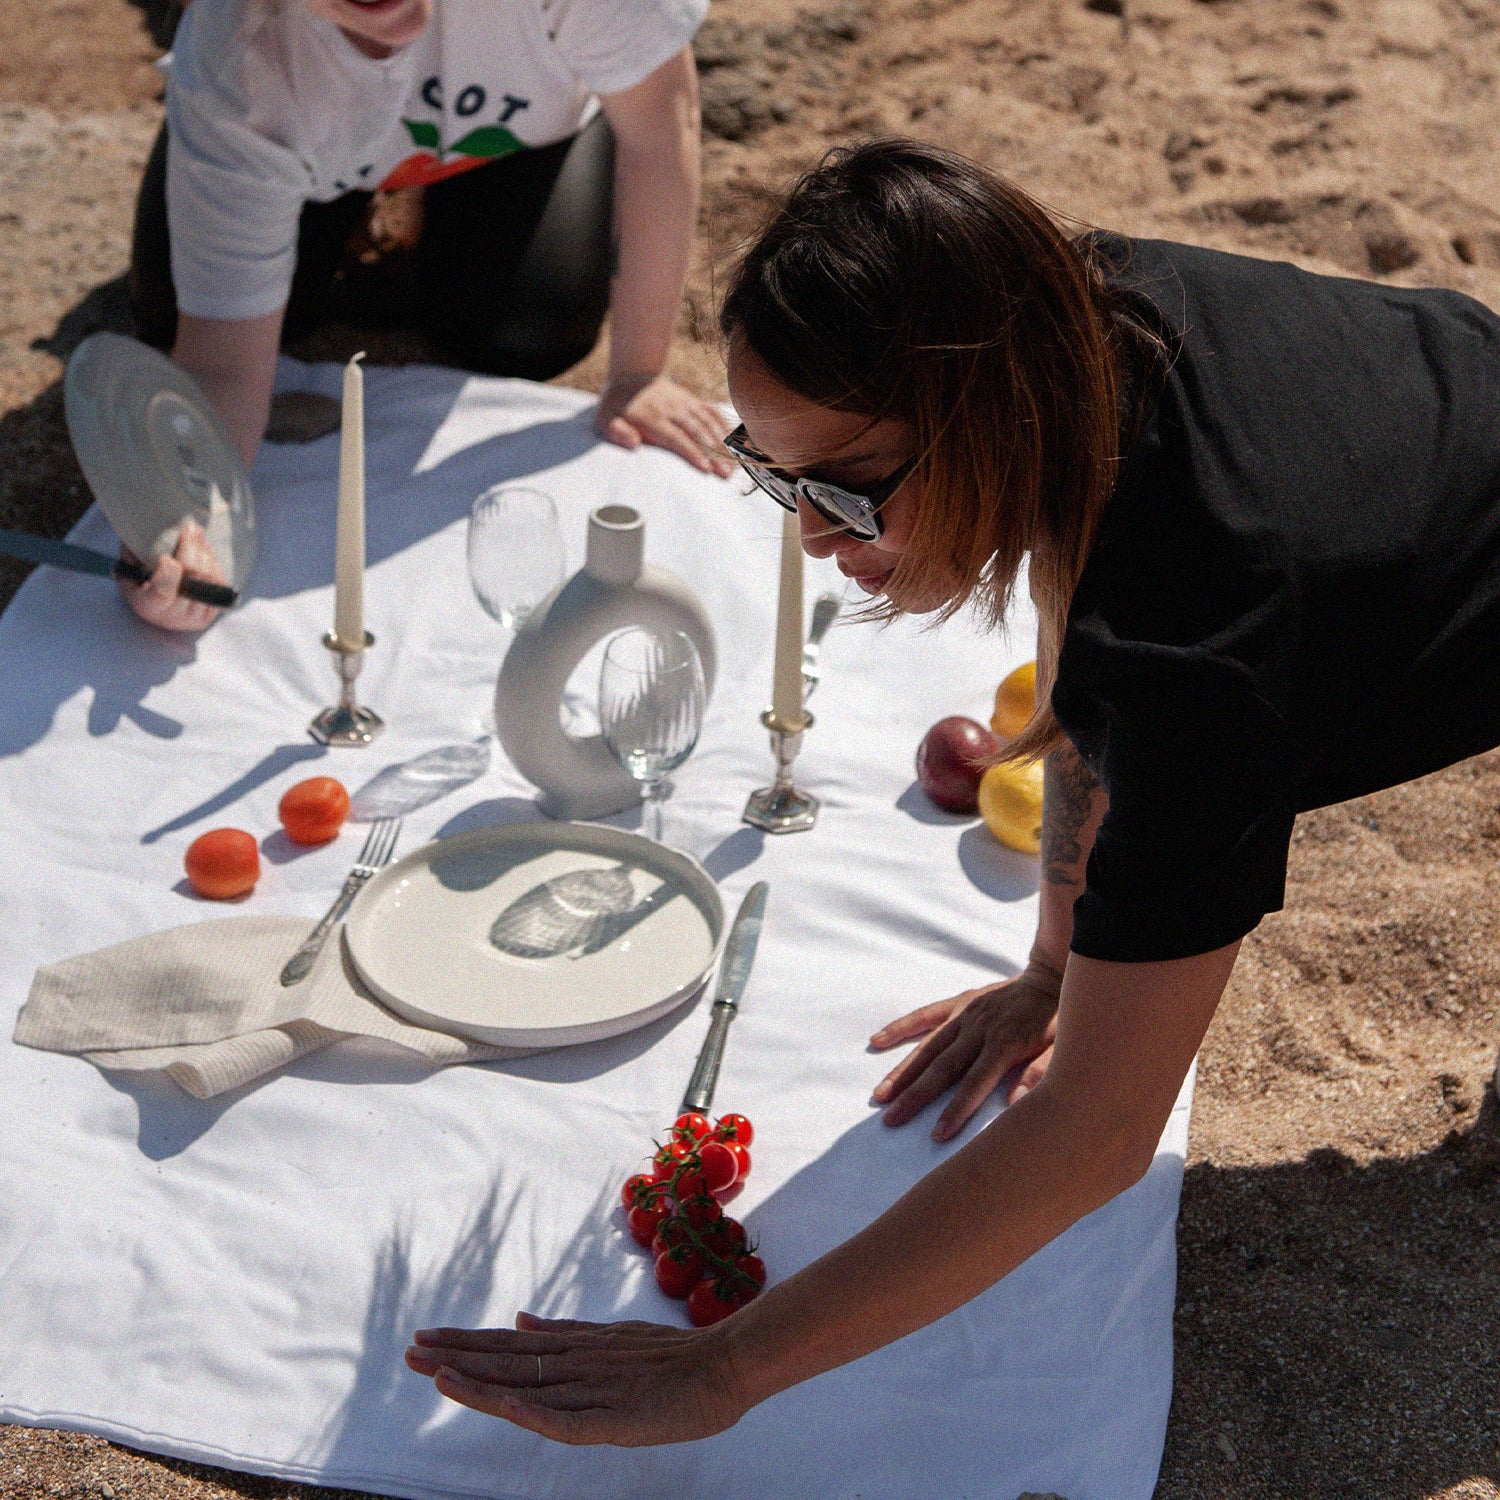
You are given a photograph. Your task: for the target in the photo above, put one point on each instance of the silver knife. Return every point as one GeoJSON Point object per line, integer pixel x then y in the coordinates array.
{"type": "Point", "coordinates": [825, 612]}
{"type": "Point", "coordinates": [42, 549]}
{"type": "Point", "coordinates": [734, 972]}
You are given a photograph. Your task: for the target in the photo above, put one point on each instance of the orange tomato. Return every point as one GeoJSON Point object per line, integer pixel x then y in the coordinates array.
{"type": "Point", "coordinates": [313, 811]}
{"type": "Point", "coordinates": [223, 863]}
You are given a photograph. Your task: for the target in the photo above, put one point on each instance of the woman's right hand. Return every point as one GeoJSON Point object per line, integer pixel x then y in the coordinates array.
{"type": "Point", "coordinates": [973, 1041]}
{"type": "Point", "coordinates": [157, 601]}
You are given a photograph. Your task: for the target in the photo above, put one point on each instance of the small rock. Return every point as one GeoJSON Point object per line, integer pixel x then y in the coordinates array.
{"type": "Point", "coordinates": [1179, 145]}
{"type": "Point", "coordinates": [722, 44]}
{"type": "Point", "coordinates": [1261, 211]}
{"type": "Point", "coordinates": [1390, 250]}
{"type": "Point", "coordinates": [834, 27]}
{"type": "Point", "coordinates": [1106, 7]}
{"type": "Point", "coordinates": [734, 106]}
{"type": "Point", "coordinates": [1227, 1448]}
{"type": "Point", "coordinates": [1414, 27]}
{"type": "Point", "coordinates": [107, 1490]}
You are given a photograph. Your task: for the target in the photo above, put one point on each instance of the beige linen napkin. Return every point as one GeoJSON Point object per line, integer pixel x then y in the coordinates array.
{"type": "Point", "coordinates": [205, 1003]}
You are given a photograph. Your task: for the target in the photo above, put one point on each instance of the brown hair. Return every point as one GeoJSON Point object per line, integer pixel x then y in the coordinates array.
{"type": "Point", "coordinates": [901, 280]}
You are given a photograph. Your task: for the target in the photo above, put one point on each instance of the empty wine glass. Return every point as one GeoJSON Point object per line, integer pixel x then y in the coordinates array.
{"type": "Point", "coordinates": [651, 698]}
{"type": "Point", "coordinates": [515, 552]}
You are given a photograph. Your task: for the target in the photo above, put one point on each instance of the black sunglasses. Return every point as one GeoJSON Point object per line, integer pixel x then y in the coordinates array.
{"type": "Point", "coordinates": [858, 515]}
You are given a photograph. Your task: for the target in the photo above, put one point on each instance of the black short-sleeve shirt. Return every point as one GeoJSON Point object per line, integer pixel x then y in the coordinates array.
{"type": "Point", "coordinates": [1294, 595]}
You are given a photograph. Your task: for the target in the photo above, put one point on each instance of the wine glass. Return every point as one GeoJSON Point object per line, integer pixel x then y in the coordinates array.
{"type": "Point", "coordinates": [515, 551]}
{"type": "Point", "coordinates": [651, 698]}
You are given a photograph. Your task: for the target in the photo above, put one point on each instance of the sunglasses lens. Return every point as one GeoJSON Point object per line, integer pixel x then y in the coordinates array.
{"type": "Point", "coordinates": [778, 489]}
{"type": "Point", "coordinates": [852, 513]}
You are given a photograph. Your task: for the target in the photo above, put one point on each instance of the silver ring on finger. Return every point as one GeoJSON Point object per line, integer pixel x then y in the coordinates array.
{"type": "Point", "coordinates": [539, 1369]}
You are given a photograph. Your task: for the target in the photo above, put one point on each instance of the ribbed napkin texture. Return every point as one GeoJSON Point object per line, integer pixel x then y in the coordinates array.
{"type": "Point", "coordinates": [205, 1004]}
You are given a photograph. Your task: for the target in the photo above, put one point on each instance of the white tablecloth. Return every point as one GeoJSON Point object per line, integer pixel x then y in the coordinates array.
{"type": "Point", "coordinates": [233, 1281]}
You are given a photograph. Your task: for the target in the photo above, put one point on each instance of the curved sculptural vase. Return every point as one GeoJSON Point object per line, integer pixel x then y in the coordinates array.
{"type": "Point", "coordinates": [577, 775]}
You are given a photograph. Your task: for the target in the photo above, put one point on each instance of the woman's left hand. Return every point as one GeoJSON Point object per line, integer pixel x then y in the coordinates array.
{"type": "Point", "coordinates": [630, 1384]}
{"type": "Point", "coordinates": [656, 410]}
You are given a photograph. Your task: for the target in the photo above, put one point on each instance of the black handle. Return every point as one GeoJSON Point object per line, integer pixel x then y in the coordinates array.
{"type": "Point", "coordinates": [201, 589]}
{"type": "Point", "coordinates": [207, 593]}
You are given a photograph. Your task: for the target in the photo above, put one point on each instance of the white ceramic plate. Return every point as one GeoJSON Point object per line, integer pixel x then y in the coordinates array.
{"type": "Point", "coordinates": [155, 452]}
{"type": "Point", "coordinates": [537, 934]}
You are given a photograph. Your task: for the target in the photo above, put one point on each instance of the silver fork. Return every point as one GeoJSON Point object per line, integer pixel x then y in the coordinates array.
{"type": "Point", "coordinates": [380, 844]}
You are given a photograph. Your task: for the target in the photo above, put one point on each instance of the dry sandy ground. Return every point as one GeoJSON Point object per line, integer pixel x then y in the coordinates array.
{"type": "Point", "coordinates": [1338, 1322]}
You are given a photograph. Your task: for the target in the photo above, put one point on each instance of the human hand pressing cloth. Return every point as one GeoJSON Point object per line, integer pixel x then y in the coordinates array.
{"type": "Point", "coordinates": [654, 409]}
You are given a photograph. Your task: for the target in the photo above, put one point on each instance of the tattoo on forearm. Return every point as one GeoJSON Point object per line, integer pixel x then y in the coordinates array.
{"type": "Point", "coordinates": [1068, 799]}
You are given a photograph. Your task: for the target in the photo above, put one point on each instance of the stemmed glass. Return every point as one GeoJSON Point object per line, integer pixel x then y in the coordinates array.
{"type": "Point", "coordinates": [516, 558]}
{"type": "Point", "coordinates": [651, 698]}
{"type": "Point", "coordinates": [515, 552]}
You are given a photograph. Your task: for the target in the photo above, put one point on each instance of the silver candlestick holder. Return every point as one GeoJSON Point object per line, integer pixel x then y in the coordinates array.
{"type": "Point", "coordinates": [780, 807]}
{"type": "Point", "coordinates": [347, 723]}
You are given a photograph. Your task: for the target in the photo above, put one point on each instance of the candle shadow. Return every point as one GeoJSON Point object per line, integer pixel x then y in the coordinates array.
{"type": "Point", "coordinates": [282, 758]}
{"type": "Point", "coordinates": [407, 498]}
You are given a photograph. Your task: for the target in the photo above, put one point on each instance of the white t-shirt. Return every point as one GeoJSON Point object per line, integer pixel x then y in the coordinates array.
{"type": "Point", "coordinates": [269, 107]}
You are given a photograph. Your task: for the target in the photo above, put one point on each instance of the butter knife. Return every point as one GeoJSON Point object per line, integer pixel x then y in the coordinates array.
{"type": "Point", "coordinates": [41, 549]}
{"type": "Point", "coordinates": [734, 973]}
{"type": "Point", "coordinates": [825, 612]}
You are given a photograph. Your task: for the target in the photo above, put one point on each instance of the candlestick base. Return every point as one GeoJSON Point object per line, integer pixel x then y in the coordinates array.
{"type": "Point", "coordinates": [780, 807]}
{"type": "Point", "coordinates": [347, 723]}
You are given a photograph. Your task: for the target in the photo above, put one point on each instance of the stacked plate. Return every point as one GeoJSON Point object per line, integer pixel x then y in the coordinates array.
{"type": "Point", "coordinates": [537, 934]}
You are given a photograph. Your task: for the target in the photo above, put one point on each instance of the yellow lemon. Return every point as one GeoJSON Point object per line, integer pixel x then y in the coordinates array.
{"type": "Point", "coordinates": [1010, 802]}
{"type": "Point", "coordinates": [1015, 701]}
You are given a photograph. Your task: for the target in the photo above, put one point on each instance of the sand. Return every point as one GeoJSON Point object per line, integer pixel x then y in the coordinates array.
{"type": "Point", "coordinates": [1338, 1321]}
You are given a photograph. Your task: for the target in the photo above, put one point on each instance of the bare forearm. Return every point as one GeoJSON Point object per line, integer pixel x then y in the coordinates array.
{"type": "Point", "coordinates": [234, 361]}
{"type": "Point", "coordinates": [1024, 1180]}
{"type": "Point", "coordinates": [1073, 805]}
{"type": "Point", "coordinates": [657, 171]}
{"type": "Point", "coordinates": [1126, 1037]}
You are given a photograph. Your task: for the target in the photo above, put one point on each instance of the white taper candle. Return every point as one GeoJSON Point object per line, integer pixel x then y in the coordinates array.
{"type": "Point", "coordinates": [786, 684]}
{"type": "Point", "coordinates": [349, 555]}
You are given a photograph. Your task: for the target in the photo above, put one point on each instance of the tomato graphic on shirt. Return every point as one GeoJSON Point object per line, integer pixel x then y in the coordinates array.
{"type": "Point", "coordinates": [433, 161]}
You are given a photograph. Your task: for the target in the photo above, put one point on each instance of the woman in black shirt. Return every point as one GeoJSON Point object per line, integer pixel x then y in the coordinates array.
{"type": "Point", "coordinates": [1261, 510]}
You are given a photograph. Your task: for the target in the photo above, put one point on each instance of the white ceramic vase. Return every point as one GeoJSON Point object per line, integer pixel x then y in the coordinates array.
{"type": "Point", "coordinates": [577, 776]}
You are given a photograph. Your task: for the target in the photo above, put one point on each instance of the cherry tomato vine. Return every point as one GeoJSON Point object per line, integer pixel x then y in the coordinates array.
{"type": "Point", "coordinates": [674, 1211]}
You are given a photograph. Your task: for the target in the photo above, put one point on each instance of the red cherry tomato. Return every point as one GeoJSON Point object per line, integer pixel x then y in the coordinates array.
{"type": "Point", "coordinates": [719, 1168]}
{"type": "Point", "coordinates": [223, 863]}
{"type": "Point", "coordinates": [725, 1237]}
{"type": "Point", "coordinates": [670, 1233]}
{"type": "Point", "coordinates": [753, 1267]}
{"type": "Point", "coordinates": [706, 1305]}
{"type": "Point", "coordinates": [704, 1209]}
{"type": "Point", "coordinates": [669, 1157]}
{"type": "Point", "coordinates": [734, 1128]}
{"type": "Point", "coordinates": [643, 1221]}
{"type": "Point", "coordinates": [313, 811]}
{"type": "Point", "coordinates": [641, 1188]}
{"type": "Point", "coordinates": [690, 1183]}
{"type": "Point", "coordinates": [679, 1271]}
{"type": "Point", "coordinates": [692, 1126]}
{"type": "Point", "coordinates": [741, 1159]}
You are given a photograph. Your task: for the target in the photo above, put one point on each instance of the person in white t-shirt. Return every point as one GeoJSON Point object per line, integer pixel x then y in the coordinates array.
{"type": "Point", "coordinates": [555, 144]}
